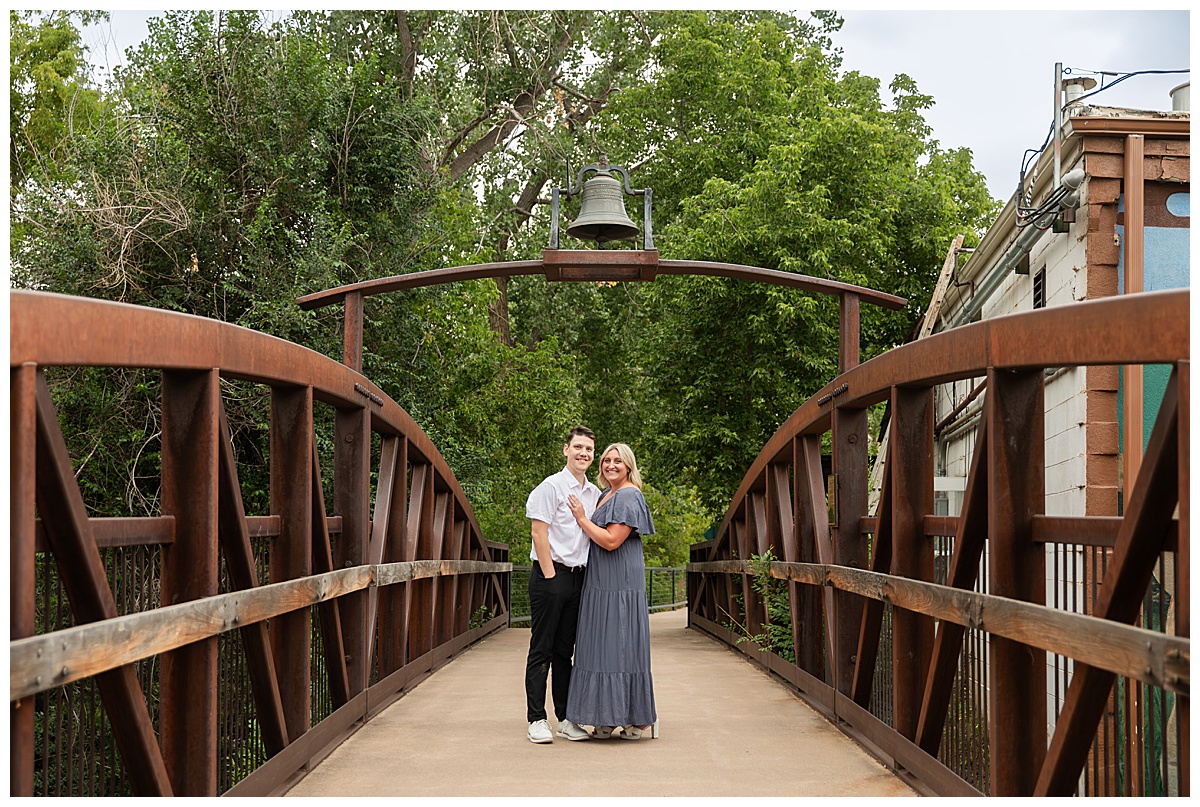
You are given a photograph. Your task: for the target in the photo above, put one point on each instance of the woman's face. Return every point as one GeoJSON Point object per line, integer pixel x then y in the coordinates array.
{"type": "Point", "coordinates": [614, 468]}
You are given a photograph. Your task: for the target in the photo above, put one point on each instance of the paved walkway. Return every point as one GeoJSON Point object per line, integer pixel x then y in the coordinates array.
{"type": "Point", "coordinates": [727, 729]}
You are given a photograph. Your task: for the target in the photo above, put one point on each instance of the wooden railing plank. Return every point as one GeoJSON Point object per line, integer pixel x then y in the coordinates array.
{"type": "Point", "coordinates": [1159, 659]}
{"type": "Point", "coordinates": [96, 647]}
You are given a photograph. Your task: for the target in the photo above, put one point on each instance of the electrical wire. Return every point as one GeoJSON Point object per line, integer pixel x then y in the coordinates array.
{"type": "Point", "coordinates": [1121, 77]}
{"type": "Point", "coordinates": [1030, 215]}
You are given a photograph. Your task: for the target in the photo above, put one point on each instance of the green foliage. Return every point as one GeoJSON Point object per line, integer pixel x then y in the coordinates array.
{"type": "Point", "coordinates": [679, 521]}
{"type": "Point", "coordinates": [233, 166]}
{"type": "Point", "coordinates": [776, 634]}
{"type": "Point", "coordinates": [483, 615]}
{"type": "Point", "coordinates": [790, 166]}
{"type": "Point", "coordinates": [49, 91]}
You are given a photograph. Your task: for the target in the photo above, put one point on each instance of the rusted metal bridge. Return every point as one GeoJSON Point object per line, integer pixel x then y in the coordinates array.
{"type": "Point", "coordinates": [207, 650]}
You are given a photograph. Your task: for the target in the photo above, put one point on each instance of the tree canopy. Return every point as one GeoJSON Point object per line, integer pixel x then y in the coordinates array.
{"type": "Point", "coordinates": [235, 165]}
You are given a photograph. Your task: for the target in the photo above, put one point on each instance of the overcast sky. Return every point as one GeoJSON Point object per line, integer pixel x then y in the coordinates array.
{"type": "Point", "coordinates": [991, 73]}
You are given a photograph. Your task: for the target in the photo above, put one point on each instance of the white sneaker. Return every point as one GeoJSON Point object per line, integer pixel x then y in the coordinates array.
{"type": "Point", "coordinates": [572, 732]}
{"type": "Point", "coordinates": [539, 732]}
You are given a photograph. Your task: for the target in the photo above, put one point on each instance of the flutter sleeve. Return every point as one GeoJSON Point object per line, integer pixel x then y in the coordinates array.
{"type": "Point", "coordinates": [629, 507]}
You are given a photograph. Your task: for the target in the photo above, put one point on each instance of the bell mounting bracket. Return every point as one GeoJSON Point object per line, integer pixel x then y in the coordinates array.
{"type": "Point", "coordinates": [601, 167]}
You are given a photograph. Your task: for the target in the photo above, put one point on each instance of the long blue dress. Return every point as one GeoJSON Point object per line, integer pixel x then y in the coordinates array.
{"type": "Point", "coordinates": [611, 683]}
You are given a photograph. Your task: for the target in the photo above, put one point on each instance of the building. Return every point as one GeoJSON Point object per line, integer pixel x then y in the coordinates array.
{"type": "Point", "coordinates": [1104, 210]}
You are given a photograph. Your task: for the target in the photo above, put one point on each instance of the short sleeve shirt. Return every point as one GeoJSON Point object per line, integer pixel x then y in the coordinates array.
{"type": "Point", "coordinates": [548, 503]}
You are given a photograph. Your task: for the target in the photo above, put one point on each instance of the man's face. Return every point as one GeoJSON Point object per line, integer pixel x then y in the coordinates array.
{"type": "Point", "coordinates": [579, 453]}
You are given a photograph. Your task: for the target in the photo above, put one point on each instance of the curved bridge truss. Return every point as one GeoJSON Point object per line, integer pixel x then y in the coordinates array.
{"type": "Point", "coordinates": [296, 625]}
{"type": "Point", "coordinates": [881, 637]}
{"type": "Point", "coordinates": [359, 605]}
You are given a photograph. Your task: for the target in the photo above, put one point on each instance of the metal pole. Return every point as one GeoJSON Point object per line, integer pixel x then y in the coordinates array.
{"type": "Point", "coordinates": [1135, 239]}
{"type": "Point", "coordinates": [1057, 125]}
{"type": "Point", "coordinates": [554, 216]}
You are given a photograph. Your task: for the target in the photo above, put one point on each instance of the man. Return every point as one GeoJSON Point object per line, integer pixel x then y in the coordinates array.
{"type": "Point", "coordinates": [559, 555]}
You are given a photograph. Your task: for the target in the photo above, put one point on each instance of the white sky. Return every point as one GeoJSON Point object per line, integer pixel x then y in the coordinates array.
{"type": "Point", "coordinates": [991, 73]}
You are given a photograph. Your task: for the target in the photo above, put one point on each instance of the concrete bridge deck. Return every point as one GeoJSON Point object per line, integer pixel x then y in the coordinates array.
{"type": "Point", "coordinates": [727, 729]}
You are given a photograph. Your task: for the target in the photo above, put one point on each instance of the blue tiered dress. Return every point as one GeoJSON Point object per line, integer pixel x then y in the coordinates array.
{"type": "Point", "coordinates": [610, 683]}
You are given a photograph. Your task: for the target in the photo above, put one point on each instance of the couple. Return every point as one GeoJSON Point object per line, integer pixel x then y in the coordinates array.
{"type": "Point", "coordinates": [578, 525]}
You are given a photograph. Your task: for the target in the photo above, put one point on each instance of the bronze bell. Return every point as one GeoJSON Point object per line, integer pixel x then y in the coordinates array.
{"type": "Point", "coordinates": [602, 214]}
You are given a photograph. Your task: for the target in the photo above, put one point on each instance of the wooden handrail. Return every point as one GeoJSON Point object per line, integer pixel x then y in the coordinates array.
{"type": "Point", "coordinates": [1143, 655]}
{"type": "Point", "coordinates": [43, 662]}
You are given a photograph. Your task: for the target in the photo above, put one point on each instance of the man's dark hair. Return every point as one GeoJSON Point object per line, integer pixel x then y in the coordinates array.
{"type": "Point", "coordinates": [581, 431]}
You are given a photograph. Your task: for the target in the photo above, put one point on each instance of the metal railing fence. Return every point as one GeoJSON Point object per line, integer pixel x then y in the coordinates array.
{"type": "Point", "coordinates": [197, 649]}
{"type": "Point", "coordinates": [994, 647]}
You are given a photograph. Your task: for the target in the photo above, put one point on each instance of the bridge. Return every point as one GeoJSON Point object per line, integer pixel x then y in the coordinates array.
{"type": "Point", "coordinates": [210, 651]}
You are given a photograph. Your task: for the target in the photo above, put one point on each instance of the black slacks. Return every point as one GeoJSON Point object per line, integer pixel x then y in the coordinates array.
{"type": "Point", "coordinates": [554, 607]}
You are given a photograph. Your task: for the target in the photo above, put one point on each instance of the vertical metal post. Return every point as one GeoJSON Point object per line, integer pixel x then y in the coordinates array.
{"type": "Point", "coordinates": [648, 241]}
{"type": "Point", "coordinates": [1016, 435]}
{"type": "Point", "coordinates": [391, 598]}
{"type": "Point", "coordinates": [418, 597]}
{"type": "Point", "coordinates": [911, 456]}
{"type": "Point", "coordinates": [291, 553]}
{"type": "Point", "coordinates": [352, 335]}
{"type": "Point", "coordinates": [21, 557]}
{"type": "Point", "coordinates": [848, 336]}
{"type": "Point", "coordinates": [807, 618]}
{"type": "Point", "coordinates": [1135, 241]}
{"type": "Point", "coordinates": [191, 439]}
{"type": "Point", "coordinates": [351, 500]}
{"type": "Point", "coordinates": [1183, 558]}
{"type": "Point", "coordinates": [850, 470]}
{"type": "Point", "coordinates": [554, 207]}
{"type": "Point", "coordinates": [1058, 121]}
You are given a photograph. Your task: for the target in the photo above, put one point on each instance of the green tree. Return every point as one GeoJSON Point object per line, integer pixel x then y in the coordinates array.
{"type": "Point", "coordinates": [792, 166]}
{"type": "Point", "coordinates": [50, 93]}
{"type": "Point", "coordinates": [234, 166]}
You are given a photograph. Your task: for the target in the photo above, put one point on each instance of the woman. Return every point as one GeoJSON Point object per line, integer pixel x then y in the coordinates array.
{"type": "Point", "coordinates": [611, 684]}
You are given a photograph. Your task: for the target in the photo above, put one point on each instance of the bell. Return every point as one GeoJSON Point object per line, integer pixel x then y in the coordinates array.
{"type": "Point", "coordinates": [602, 213]}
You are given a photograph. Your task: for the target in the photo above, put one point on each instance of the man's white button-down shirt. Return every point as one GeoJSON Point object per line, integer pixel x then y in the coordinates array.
{"type": "Point", "coordinates": [548, 503]}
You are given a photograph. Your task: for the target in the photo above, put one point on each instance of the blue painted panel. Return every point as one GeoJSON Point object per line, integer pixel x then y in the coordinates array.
{"type": "Point", "coordinates": [1167, 266]}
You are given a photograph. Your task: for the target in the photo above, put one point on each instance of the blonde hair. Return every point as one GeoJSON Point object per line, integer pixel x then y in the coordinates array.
{"type": "Point", "coordinates": [626, 455]}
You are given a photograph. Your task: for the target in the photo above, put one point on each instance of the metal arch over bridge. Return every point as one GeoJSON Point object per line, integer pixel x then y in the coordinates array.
{"type": "Point", "coordinates": [256, 673]}
{"type": "Point", "coordinates": [603, 265]}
